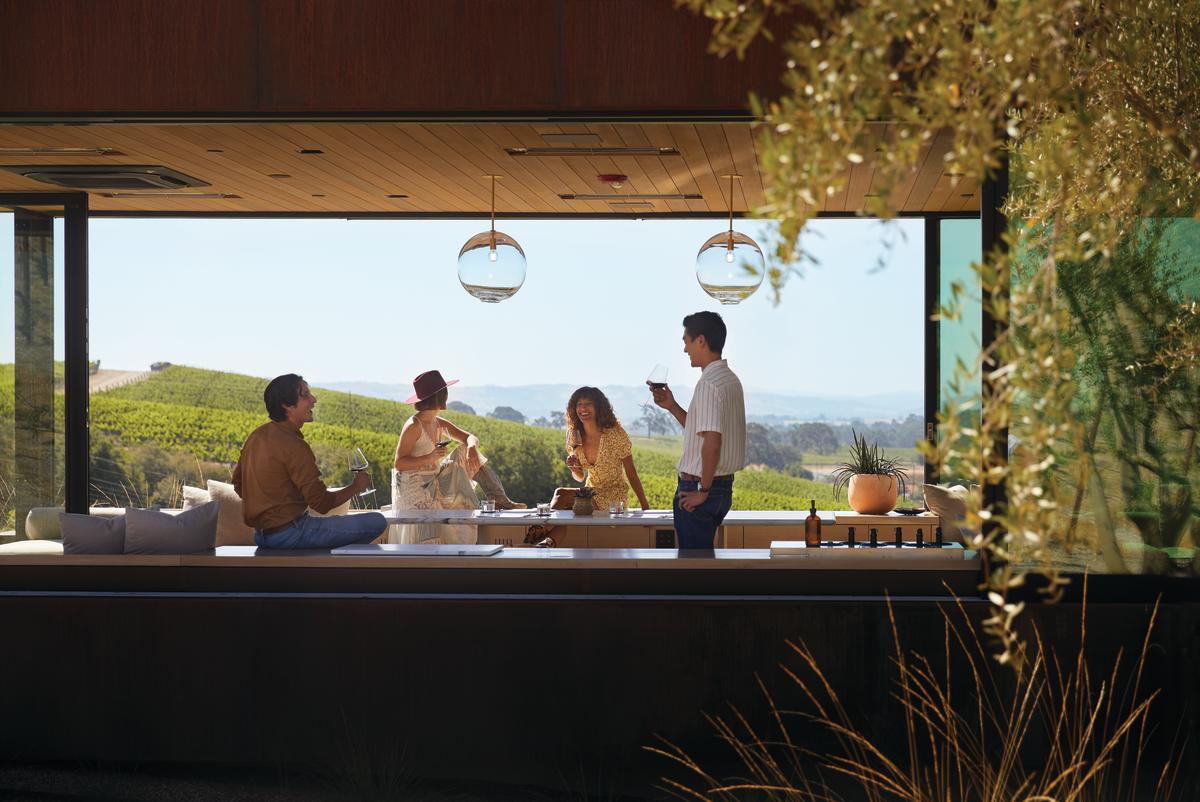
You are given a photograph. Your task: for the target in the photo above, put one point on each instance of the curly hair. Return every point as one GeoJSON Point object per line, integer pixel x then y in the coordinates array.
{"type": "Point", "coordinates": [605, 417]}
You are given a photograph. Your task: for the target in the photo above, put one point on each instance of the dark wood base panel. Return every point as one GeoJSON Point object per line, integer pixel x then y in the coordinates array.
{"type": "Point", "coordinates": [504, 689]}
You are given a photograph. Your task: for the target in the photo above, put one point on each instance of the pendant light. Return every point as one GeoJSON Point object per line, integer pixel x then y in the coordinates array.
{"type": "Point", "coordinates": [730, 265]}
{"type": "Point", "coordinates": [491, 264]}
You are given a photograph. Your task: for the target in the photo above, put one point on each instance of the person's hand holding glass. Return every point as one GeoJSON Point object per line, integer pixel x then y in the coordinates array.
{"type": "Point", "coordinates": [362, 478]}
{"type": "Point", "coordinates": [573, 462]}
{"type": "Point", "coordinates": [657, 382]}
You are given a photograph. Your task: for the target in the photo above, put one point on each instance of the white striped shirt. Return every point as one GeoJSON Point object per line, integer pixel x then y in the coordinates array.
{"type": "Point", "coordinates": [718, 405]}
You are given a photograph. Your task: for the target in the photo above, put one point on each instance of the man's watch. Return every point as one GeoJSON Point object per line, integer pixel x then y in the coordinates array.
{"type": "Point", "coordinates": [701, 488]}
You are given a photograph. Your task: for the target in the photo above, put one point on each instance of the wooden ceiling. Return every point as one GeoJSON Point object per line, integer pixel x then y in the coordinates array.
{"type": "Point", "coordinates": [439, 168]}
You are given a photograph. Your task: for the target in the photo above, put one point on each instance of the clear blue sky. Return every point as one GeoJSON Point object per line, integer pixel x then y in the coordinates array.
{"type": "Point", "coordinates": [342, 300]}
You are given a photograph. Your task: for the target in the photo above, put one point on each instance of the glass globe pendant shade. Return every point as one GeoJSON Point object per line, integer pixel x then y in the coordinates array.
{"type": "Point", "coordinates": [491, 266]}
{"type": "Point", "coordinates": [730, 266]}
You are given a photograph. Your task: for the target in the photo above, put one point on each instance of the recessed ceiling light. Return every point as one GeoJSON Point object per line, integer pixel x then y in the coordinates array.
{"type": "Point", "coordinates": [398, 196]}
{"type": "Point", "coordinates": [310, 151]}
{"type": "Point", "coordinates": [215, 150]}
{"type": "Point", "coordinates": [642, 196]}
{"type": "Point", "coordinates": [318, 196]}
{"type": "Point", "coordinates": [278, 175]}
{"type": "Point", "coordinates": [592, 151]}
{"type": "Point", "coordinates": [58, 151]}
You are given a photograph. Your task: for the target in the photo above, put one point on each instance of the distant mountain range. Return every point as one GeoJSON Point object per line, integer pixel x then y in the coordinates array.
{"type": "Point", "coordinates": [538, 400]}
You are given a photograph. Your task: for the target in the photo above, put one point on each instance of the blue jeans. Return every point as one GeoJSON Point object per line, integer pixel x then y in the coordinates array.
{"type": "Point", "coordinates": [308, 532]}
{"type": "Point", "coordinates": [698, 529]}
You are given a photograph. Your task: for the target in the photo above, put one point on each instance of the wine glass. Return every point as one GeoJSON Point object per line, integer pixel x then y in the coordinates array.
{"type": "Point", "coordinates": [657, 378]}
{"type": "Point", "coordinates": [358, 462]}
{"type": "Point", "coordinates": [575, 442]}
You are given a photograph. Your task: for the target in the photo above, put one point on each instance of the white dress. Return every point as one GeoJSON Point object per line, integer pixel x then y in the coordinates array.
{"type": "Point", "coordinates": [426, 490]}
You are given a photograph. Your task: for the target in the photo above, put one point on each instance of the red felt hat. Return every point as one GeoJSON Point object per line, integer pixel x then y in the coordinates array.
{"type": "Point", "coordinates": [427, 384]}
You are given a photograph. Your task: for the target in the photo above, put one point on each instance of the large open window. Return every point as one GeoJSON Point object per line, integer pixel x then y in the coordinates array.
{"type": "Point", "coordinates": [360, 307]}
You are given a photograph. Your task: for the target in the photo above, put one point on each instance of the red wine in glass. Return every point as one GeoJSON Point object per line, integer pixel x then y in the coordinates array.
{"type": "Point", "coordinates": [657, 378]}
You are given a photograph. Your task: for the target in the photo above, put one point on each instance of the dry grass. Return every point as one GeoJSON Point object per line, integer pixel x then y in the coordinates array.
{"type": "Point", "coordinates": [1088, 733]}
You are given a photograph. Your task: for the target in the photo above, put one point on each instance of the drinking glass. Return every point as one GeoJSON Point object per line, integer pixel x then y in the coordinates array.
{"type": "Point", "coordinates": [487, 505]}
{"type": "Point", "coordinates": [616, 508]}
{"type": "Point", "coordinates": [657, 378]}
{"type": "Point", "coordinates": [576, 445]}
{"type": "Point", "coordinates": [543, 509]}
{"type": "Point", "coordinates": [358, 463]}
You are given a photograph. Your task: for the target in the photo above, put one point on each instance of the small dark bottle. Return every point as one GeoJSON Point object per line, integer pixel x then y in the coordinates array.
{"type": "Point", "coordinates": [920, 539]}
{"type": "Point", "coordinates": [850, 538]}
{"type": "Point", "coordinates": [812, 527]}
{"type": "Point", "coordinates": [874, 538]}
{"type": "Point", "coordinates": [937, 537]}
{"type": "Point", "coordinates": [899, 537]}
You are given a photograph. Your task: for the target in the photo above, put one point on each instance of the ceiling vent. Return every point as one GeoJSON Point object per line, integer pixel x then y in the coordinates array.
{"type": "Point", "coordinates": [106, 176]}
{"type": "Point", "coordinates": [562, 151]}
{"type": "Point", "coordinates": [633, 196]}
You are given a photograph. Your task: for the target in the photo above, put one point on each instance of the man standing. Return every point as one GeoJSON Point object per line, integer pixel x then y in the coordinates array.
{"type": "Point", "coordinates": [278, 480]}
{"type": "Point", "coordinates": [714, 434]}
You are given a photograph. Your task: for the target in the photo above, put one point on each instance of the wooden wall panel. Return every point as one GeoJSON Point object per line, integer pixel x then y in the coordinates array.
{"type": "Point", "coordinates": [408, 55]}
{"type": "Point", "coordinates": [420, 57]}
{"type": "Point", "coordinates": [644, 54]}
{"type": "Point", "coordinates": [170, 56]}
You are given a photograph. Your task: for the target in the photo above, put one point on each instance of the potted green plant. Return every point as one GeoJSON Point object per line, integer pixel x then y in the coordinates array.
{"type": "Point", "coordinates": [873, 480]}
{"type": "Point", "coordinates": [583, 501]}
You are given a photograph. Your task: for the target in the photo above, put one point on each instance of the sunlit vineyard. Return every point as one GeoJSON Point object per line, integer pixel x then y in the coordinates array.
{"type": "Point", "coordinates": [183, 425]}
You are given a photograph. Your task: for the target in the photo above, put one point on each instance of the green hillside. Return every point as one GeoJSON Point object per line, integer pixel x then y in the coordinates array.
{"type": "Point", "coordinates": [182, 425]}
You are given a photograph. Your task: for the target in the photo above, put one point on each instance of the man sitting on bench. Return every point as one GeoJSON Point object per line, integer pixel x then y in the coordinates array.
{"type": "Point", "coordinates": [278, 480]}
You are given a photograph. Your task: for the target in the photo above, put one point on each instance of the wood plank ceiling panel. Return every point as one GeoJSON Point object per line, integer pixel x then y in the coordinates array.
{"type": "Point", "coordinates": [346, 147]}
{"type": "Point", "coordinates": [676, 168]}
{"type": "Point", "coordinates": [557, 169]}
{"type": "Point", "coordinates": [634, 136]}
{"type": "Point", "coordinates": [741, 139]}
{"type": "Point", "coordinates": [687, 140]}
{"type": "Point", "coordinates": [440, 167]}
{"type": "Point", "coordinates": [577, 168]}
{"type": "Point", "coordinates": [425, 188]}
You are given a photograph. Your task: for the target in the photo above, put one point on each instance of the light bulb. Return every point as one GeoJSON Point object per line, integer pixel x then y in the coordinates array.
{"type": "Point", "coordinates": [491, 254]}
{"type": "Point", "coordinates": [729, 256]}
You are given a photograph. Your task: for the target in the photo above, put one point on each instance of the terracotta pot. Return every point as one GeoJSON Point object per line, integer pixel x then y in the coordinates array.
{"type": "Point", "coordinates": [582, 506]}
{"type": "Point", "coordinates": [872, 493]}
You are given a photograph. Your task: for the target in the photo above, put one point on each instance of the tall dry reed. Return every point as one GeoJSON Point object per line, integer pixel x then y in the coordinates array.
{"type": "Point", "coordinates": [1052, 732]}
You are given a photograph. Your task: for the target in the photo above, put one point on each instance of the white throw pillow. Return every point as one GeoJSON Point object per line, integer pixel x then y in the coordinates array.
{"type": "Point", "coordinates": [154, 532]}
{"type": "Point", "coordinates": [950, 506]}
{"type": "Point", "coordinates": [92, 534]}
{"type": "Point", "coordinates": [231, 526]}
{"type": "Point", "coordinates": [195, 496]}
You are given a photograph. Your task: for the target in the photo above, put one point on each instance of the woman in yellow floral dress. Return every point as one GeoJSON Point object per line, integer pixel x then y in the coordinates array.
{"type": "Point", "coordinates": [600, 450]}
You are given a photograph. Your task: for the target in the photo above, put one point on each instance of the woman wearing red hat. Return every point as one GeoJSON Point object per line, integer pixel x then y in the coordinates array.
{"type": "Point", "coordinates": [423, 443]}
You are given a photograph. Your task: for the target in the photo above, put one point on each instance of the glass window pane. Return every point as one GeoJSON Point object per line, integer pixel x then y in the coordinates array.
{"type": "Point", "coordinates": [961, 247]}
{"type": "Point", "coordinates": [1131, 494]}
{"type": "Point", "coordinates": [31, 367]}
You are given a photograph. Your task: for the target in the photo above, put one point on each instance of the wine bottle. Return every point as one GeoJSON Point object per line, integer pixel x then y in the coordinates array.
{"type": "Point", "coordinates": [812, 527]}
{"type": "Point", "coordinates": [899, 537]}
{"type": "Point", "coordinates": [920, 538]}
{"type": "Point", "coordinates": [850, 538]}
{"type": "Point", "coordinates": [874, 538]}
{"type": "Point", "coordinates": [937, 537]}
